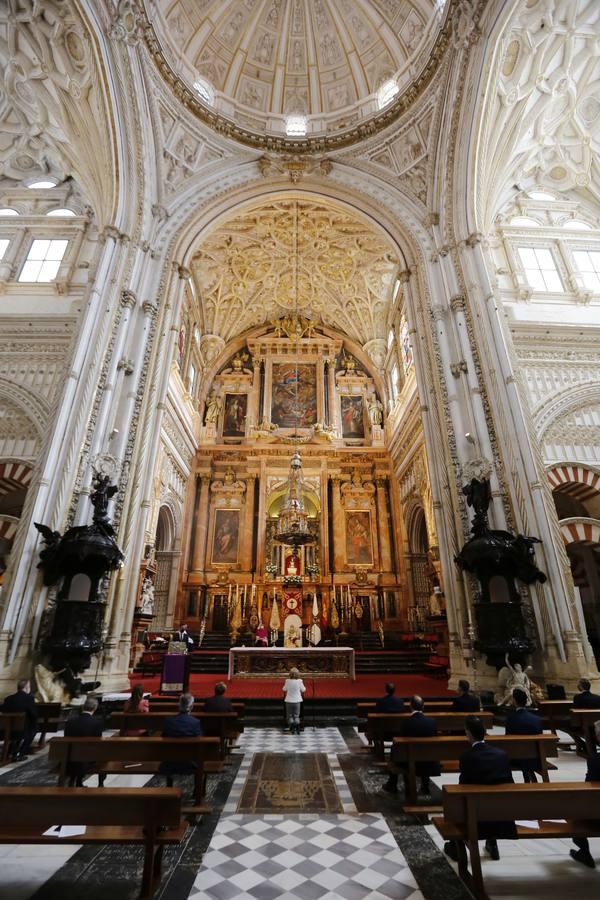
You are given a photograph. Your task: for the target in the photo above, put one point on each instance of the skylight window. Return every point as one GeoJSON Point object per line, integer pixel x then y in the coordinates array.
{"type": "Point", "coordinates": [8, 211]}
{"type": "Point", "coordinates": [296, 126]}
{"type": "Point", "coordinates": [540, 270]}
{"type": "Point", "coordinates": [4, 242]}
{"type": "Point", "coordinates": [40, 185]}
{"type": "Point", "coordinates": [541, 195]}
{"type": "Point", "coordinates": [43, 261]}
{"type": "Point", "coordinates": [588, 263]}
{"type": "Point", "coordinates": [205, 91]}
{"type": "Point", "coordinates": [524, 222]}
{"type": "Point", "coordinates": [576, 225]}
{"type": "Point", "coordinates": [60, 212]}
{"type": "Point", "coordinates": [386, 93]}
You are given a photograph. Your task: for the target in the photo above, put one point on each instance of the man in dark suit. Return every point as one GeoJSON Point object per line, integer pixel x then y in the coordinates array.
{"type": "Point", "coordinates": [182, 725]}
{"type": "Point", "coordinates": [484, 764]}
{"type": "Point", "coordinates": [23, 702]}
{"type": "Point", "coordinates": [86, 724]}
{"type": "Point", "coordinates": [389, 703]}
{"type": "Point", "coordinates": [520, 720]}
{"type": "Point", "coordinates": [218, 702]}
{"type": "Point", "coordinates": [417, 725]}
{"type": "Point", "coordinates": [585, 699]}
{"type": "Point", "coordinates": [582, 854]}
{"type": "Point", "coordinates": [185, 637]}
{"type": "Point", "coordinates": [466, 702]}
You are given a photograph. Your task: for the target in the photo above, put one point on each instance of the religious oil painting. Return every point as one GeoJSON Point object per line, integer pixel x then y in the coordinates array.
{"type": "Point", "coordinates": [359, 550]}
{"type": "Point", "coordinates": [353, 419]}
{"type": "Point", "coordinates": [234, 416]}
{"type": "Point", "coordinates": [226, 536]}
{"type": "Point", "coordinates": [294, 396]}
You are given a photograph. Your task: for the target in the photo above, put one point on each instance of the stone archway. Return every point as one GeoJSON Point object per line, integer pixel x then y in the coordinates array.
{"type": "Point", "coordinates": [582, 541]}
{"type": "Point", "coordinates": [420, 585]}
{"type": "Point", "coordinates": [166, 561]}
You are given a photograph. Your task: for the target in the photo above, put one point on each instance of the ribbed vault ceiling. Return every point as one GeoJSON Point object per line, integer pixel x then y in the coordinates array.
{"type": "Point", "coordinates": [255, 267]}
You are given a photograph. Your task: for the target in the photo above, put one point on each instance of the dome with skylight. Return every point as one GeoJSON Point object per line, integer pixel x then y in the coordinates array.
{"type": "Point", "coordinates": [295, 69]}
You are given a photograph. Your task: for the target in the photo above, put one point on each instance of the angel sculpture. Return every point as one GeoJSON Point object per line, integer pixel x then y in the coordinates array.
{"type": "Point", "coordinates": [511, 677]}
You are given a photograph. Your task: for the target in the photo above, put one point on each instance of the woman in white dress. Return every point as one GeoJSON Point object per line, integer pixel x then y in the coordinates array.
{"type": "Point", "coordinates": [293, 690]}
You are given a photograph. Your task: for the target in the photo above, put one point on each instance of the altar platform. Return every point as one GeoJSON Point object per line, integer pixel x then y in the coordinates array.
{"type": "Point", "coordinates": [273, 662]}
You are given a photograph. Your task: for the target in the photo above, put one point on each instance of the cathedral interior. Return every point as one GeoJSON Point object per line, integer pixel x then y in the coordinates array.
{"type": "Point", "coordinates": [299, 301]}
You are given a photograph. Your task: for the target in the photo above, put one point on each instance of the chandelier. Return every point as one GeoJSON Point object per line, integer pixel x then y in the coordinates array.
{"type": "Point", "coordinates": [293, 528]}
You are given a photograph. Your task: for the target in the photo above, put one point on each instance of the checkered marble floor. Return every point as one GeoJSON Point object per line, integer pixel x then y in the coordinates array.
{"type": "Point", "coordinates": [274, 740]}
{"type": "Point", "coordinates": [304, 857]}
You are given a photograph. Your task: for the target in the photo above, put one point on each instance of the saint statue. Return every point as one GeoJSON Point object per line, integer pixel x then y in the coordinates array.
{"type": "Point", "coordinates": [375, 411]}
{"type": "Point", "coordinates": [147, 598]}
{"type": "Point", "coordinates": [214, 405]}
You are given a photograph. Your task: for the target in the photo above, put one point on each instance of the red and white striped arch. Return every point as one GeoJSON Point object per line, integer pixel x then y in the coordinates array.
{"type": "Point", "coordinates": [14, 475]}
{"type": "Point", "coordinates": [8, 527]}
{"type": "Point", "coordinates": [577, 531]}
{"type": "Point", "coordinates": [577, 481]}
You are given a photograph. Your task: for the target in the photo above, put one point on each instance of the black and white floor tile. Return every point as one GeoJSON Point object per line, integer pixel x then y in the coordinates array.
{"type": "Point", "coordinates": [275, 740]}
{"type": "Point", "coordinates": [304, 857]}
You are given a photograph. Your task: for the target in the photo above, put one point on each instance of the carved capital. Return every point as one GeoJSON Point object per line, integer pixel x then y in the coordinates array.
{"type": "Point", "coordinates": [128, 299]}
{"type": "Point", "coordinates": [457, 303]}
{"type": "Point", "coordinates": [184, 273]}
{"type": "Point", "coordinates": [404, 276]}
{"type": "Point", "coordinates": [150, 308]}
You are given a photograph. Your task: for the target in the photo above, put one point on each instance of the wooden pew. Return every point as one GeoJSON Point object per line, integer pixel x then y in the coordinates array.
{"type": "Point", "coordinates": [447, 750]}
{"type": "Point", "coordinates": [136, 756]}
{"type": "Point", "coordinates": [380, 725]}
{"type": "Point", "coordinates": [162, 704]}
{"type": "Point", "coordinates": [111, 816]}
{"type": "Point", "coordinates": [11, 724]}
{"type": "Point", "coordinates": [49, 720]}
{"type": "Point", "coordinates": [555, 713]}
{"type": "Point", "coordinates": [583, 720]}
{"type": "Point", "coordinates": [225, 726]}
{"type": "Point", "coordinates": [466, 805]}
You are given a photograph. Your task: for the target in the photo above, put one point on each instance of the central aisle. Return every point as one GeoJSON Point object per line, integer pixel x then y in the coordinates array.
{"type": "Point", "coordinates": [297, 852]}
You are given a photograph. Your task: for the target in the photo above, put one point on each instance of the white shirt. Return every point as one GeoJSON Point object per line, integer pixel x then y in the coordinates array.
{"type": "Point", "coordinates": [293, 690]}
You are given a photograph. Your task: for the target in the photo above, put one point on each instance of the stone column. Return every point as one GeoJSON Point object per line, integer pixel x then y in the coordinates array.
{"type": "Point", "coordinates": [385, 554]}
{"type": "Point", "coordinates": [266, 410]}
{"type": "Point", "coordinates": [201, 526]}
{"type": "Point", "coordinates": [334, 406]}
{"type": "Point", "coordinates": [247, 526]}
{"type": "Point", "coordinates": [339, 563]}
{"type": "Point", "coordinates": [324, 546]}
{"type": "Point", "coordinates": [254, 411]}
{"type": "Point", "coordinates": [262, 517]}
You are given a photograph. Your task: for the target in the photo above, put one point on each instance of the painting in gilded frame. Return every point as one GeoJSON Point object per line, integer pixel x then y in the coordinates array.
{"type": "Point", "coordinates": [353, 417]}
{"type": "Point", "coordinates": [294, 395]}
{"type": "Point", "coordinates": [226, 536]}
{"type": "Point", "coordinates": [359, 549]}
{"type": "Point", "coordinates": [234, 415]}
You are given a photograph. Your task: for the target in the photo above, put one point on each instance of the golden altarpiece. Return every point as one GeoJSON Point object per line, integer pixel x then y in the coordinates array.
{"type": "Point", "coordinates": [297, 385]}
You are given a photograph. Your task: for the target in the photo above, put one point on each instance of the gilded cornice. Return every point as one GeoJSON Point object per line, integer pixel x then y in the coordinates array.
{"type": "Point", "coordinates": [319, 144]}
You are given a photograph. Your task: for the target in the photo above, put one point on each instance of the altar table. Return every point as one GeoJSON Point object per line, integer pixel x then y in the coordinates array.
{"type": "Point", "coordinates": [276, 662]}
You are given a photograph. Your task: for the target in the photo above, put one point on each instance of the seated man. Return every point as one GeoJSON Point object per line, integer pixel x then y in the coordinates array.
{"type": "Point", "coordinates": [522, 721]}
{"type": "Point", "coordinates": [390, 703]}
{"type": "Point", "coordinates": [182, 725]}
{"type": "Point", "coordinates": [484, 764]}
{"type": "Point", "coordinates": [417, 725]}
{"type": "Point", "coordinates": [585, 699]}
{"type": "Point", "coordinates": [218, 702]}
{"type": "Point", "coordinates": [466, 701]}
{"type": "Point", "coordinates": [85, 724]}
{"type": "Point", "coordinates": [582, 854]}
{"type": "Point", "coordinates": [23, 702]}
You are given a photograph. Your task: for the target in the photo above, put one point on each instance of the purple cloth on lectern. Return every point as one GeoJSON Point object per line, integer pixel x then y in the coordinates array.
{"type": "Point", "coordinates": [174, 673]}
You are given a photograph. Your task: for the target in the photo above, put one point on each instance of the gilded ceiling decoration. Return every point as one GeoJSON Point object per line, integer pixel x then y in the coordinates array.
{"type": "Point", "coordinates": [264, 60]}
{"type": "Point", "coordinates": [250, 270]}
{"type": "Point", "coordinates": [543, 124]}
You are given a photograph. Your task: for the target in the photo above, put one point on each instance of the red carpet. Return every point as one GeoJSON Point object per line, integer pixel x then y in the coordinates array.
{"type": "Point", "coordinates": [364, 687]}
